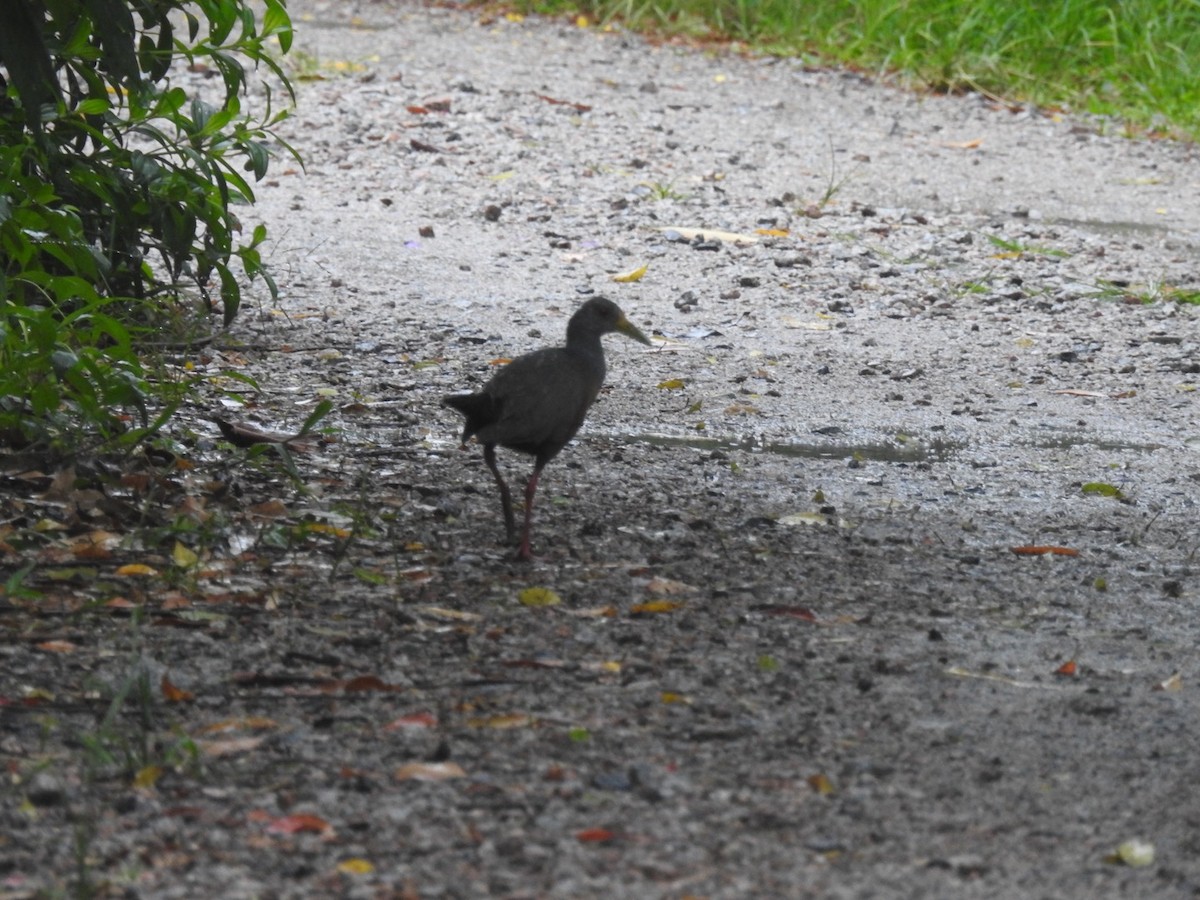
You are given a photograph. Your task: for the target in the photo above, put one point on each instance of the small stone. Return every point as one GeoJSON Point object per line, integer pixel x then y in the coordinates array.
{"type": "Point", "coordinates": [425, 231]}
{"type": "Point", "coordinates": [749, 281]}
{"type": "Point", "coordinates": [492, 212]}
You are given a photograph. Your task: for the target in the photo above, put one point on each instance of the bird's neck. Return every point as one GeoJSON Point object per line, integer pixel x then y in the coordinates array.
{"type": "Point", "coordinates": [586, 345]}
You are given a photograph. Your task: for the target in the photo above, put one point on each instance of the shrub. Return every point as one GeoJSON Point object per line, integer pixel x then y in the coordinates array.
{"type": "Point", "coordinates": [117, 191]}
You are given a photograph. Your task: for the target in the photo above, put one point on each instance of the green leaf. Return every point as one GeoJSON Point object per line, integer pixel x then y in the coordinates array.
{"type": "Point", "coordinates": [1103, 489]}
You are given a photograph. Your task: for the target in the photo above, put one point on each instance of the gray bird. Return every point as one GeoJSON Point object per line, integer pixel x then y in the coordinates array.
{"type": "Point", "coordinates": [537, 402]}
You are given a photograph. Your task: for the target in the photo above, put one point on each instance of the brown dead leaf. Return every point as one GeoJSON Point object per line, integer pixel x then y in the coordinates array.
{"type": "Point", "coordinates": [655, 606]}
{"type": "Point", "coordinates": [172, 694]}
{"type": "Point", "coordinates": [58, 646]}
{"type": "Point", "coordinates": [578, 107]}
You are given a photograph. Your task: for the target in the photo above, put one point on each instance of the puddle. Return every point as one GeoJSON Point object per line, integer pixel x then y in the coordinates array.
{"type": "Point", "coordinates": [1071, 441]}
{"type": "Point", "coordinates": [911, 451]}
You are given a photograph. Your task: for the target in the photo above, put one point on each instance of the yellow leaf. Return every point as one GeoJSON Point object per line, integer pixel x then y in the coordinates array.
{"type": "Point", "coordinates": [183, 557]}
{"type": "Point", "coordinates": [672, 697]}
{"type": "Point", "coordinates": [671, 384]}
{"type": "Point", "coordinates": [147, 776]}
{"type": "Point", "coordinates": [514, 17]}
{"type": "Point", "coordinates": [355, 866]}
{"type": "Point", "coordinates": [136, 569]}
{"type": "Point", "coordinates": [502, 722]}
{"type": "Point", "coordinates": [326, 528]}
{"type": "Point", "coordinates": [582, 22]}
{"type": "Point", "coordinates": [772, 232]}
{"type": "Point", "coordinates": [635, 275]}
{"type": "Point", "coordinates": [655, 606]}
{"type": "Point", "coordinates": [539, 596]}
{"type": "Point", "coordinates": [1010, 254]}
{"type": "Point", "coordinates": [821, 784]}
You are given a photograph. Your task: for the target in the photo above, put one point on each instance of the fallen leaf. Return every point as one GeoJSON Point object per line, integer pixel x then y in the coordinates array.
{"type": "Point", "coordinates": [1040, 550]}
{"type": "Point", "coordinates": [136, 569]}
{"type": "Point", "coordinates": [772, 232]}
{"type": "Point", "coordinates": [57, 646]}
{"type": "Point", "coordinates": [1069, 669]}
{"type": "Point", "coordinates": [539, 596]}
{"type": "Point", "coordinates": [364, 683]}
{"type": "Point", "coordinates": [667, 587]}
{"type": "Point", "coordinates": [973, 144]}
{"type": "Point", "coordinates": [299, 824]}
{"type": "Point", "coordinates": [503, 722]}
{"type": "Point", "coordinates": [355, 866]}
{"type": "Point", "coordinates": [578, 107]}
{"type": "Point", "coordinates": [1134, 853]}
{"type": "Point", "coordinates": [821, 784]}
{"type": "Point", "coordinates": [412, 720]}
{"type": "Point", "coordinates": [173, 694]}
{"type": "Point", "coordinates": [183, 557]}
{"type": "Point", "coordinates": [671, 384]}
{"type": "Point", "coordinates": [1174, 683]}
{"type": "Point", "coordinates": [231, 746]}
{"type": "Point", "coordinates": [654, 606]}
{"type": "Point", "coordinates": [147, 777]}
{"type": "Point", "coordinates": [429, 772]}
{"type": "Point", "coordinates": [1103, 489]}
{"type": "Point", "coordinates": [595, 835]}
{"type": "Point", "coordinates": [670, 697]}
{"type": "Point", "coordinates": [635, 275]}
{"type": "Point", "coordinates": [249, 723]}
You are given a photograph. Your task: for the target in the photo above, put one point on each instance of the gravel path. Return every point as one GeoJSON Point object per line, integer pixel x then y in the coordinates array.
{"type": "Point", "coordinates": [795, 654]}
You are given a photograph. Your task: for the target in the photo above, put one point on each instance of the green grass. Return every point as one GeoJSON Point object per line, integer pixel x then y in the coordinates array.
{"type": "Point", "coordinates": [1136, 60]}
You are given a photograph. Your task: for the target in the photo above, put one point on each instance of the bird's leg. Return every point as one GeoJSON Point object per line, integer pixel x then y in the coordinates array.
{"type": "Point", "coordinates": [510, 522]}
{"type": "Point", "coordinates": [530, 489]}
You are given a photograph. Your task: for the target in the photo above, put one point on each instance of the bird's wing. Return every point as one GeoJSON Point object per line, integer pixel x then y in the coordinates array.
{"type": "Point", "coordinates": [545, 396]}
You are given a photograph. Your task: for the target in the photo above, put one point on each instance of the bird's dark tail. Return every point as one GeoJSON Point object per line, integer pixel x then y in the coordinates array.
{"type": "Point", "coordinates": [480, 409]}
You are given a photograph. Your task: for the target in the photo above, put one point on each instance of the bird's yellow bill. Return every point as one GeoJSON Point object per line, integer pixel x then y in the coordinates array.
{"type": "Point", "coordinates": [628, 329]}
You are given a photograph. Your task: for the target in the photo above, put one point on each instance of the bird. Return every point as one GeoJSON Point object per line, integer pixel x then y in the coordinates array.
{"type": "Point", "coordinates": [537, 402]}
